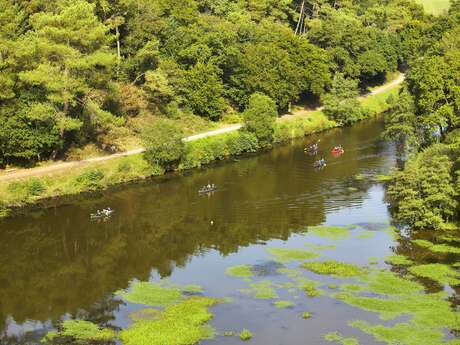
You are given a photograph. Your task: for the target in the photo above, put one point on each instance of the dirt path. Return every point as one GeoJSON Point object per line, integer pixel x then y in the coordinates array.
{"type": "Point", "coordinates": [18, 174]}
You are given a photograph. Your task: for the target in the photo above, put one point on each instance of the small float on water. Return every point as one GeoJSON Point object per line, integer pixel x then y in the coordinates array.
{"type": "Point", "coordinates": [337, 151]}
{"type": "Point", "coordinates": [209, 188]}
{"type": "Point", "coordinates": [102, 214]}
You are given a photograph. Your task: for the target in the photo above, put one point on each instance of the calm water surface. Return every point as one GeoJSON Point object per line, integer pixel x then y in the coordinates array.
{"type": "Point", "coordinates": [57, 264]}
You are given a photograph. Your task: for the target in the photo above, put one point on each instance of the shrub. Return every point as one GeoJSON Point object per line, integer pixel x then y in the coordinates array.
{"type": "Point", "coordinates": [242, 142]}
{"type": "Point", "coordinates": [90, 179]}
{"type": "Point", "coordinates": [163, 144]}
{"type": "Point", "coordinates": [260, 116]}
{"type": "Point", "coordinates": [25, 189]}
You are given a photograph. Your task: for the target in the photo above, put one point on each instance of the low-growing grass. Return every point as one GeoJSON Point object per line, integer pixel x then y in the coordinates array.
{"type": "Point", "coordinates": [377, 104]}
{"type": "Point", "coordinates": [335, 268]}
{"type": "Point", "coordinates": [288, 255]}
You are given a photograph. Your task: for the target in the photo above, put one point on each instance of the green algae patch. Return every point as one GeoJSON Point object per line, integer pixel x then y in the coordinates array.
{"type": "Point", "coordinates": [445, 249]}
{"type": "Point", "coordinates": [335, 268]}
{"type": "Point", "coordinates": [398, 260]}
{"type": "Point", "coordinates": [330, 232]}
{"type": "Point", "coordinates": [241, 271]}
{"type": "Point", "coordinates": [283, 304]}
{"type": "Point", "coordinates": [306, 315]}
{"type": "Point", "coordinates": [366, 234]}
{"type": "Point", "coordinates": [423, 243]}
{"type": "Point", "coordinates": [310, 287]}
{"type": "Point", "coordinates": [320, 247]}
{"type": "Point", "coordinates": [153, 294]}
{"type": "Point", "coordinates": [440, 273]}
{"type": "Point", "coordinates": [82, 332]}
{"type": "Point", "coordinates": [388, 283]}
{"type": "Point", "coordinates": [340, 339]}
{"type": "Point", "coordinates": [393, 232]}
{"type": "Point", "coordinates": [191, 289]}
{"type": "Point", "coordinates": [401, 333]}
{"type": "Point", "coordinates": [145, 314]}
{"type": "Point", "coordinates": [288, 255]}
{"type": "Point", "coordinates": [289, 272]}
{"type": "Point", "coordinates": [181, 324]}
{"type": "Point", "coordinates": [245, 335]}
{"type": "Point", "coordinates": [261, 290]}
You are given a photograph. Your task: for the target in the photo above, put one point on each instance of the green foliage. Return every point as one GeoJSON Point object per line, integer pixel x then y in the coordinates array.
{"type": "Point", "coordinates": [204, 151]}
{"type": "Point", "coordinates": [163, 144]}
{"type": "Point", "coordinates": [90, 179]}
{"type": "Point", "coordinates": [260, 116]}
{"type": "Point", "coordinates": [245, 335]}
{"type": "Point", "coordinates": [341, 104]}
{"type": "Point", "coordinates": [335, 268]}
{"type": "Point", "coordinates": [423, 194]}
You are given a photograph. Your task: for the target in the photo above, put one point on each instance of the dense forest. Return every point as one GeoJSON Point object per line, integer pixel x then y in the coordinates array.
{"type": "Point", "coordinates": [78, 72]}
{"type": "Point", "coordinates": [426, 121]}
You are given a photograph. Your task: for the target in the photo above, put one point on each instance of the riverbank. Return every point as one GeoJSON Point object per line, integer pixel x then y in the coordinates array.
{"type": "Point", "coordinates": [102, 173]}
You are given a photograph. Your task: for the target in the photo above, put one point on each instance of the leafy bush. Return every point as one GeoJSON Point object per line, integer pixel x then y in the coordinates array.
{"type": "Point", "coordinates": [26, 189]}
{"type": "Point", "coordinates": [90, 179]}
{"type": "Point", "coordinates": [207, 150]}
{"type": "Point", "coordinates": [163, 144]}
{"type": "Point", "coordinates": [260, 116]}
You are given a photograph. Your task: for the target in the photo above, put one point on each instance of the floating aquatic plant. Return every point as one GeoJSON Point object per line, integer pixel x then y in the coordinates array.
{"type": "Point", "coordinates": [261, 290]}
{"type": "Point", "coordinates": [441, 273]}
{"type": "Point", "coordinates": [288, 255]}
{"type": "Point", "coordinates": [290, 272]}
{"type": "Point", "coordinates": [283, 304]}
{"type": "Point", "coordinates": [306, 315]}
{"type": "Point", "coordinates": [242, 271]}
{"type": "Point", "coordinates": [335, 268]}
{"type": "Point", "coordinates": [401, 333]}
{"type": "Point", "coordinates": [310, 287]}
{"type": "Point", "coordinates": [388, 283]}
{"type": "Point", "coordinates": [399, 260]}
{"type": "Point", "coordinates": [393, 232]}
{"type": "Point", "coordinates": [81, 331]}
{"type": "Point", "coordinates": [338, 338]}
{"type": "Point", "coordinates": [181, 324]}
{"type": "Point", "coordinates": [154, 294]}
{"type": "Point", "coordinates": [245, 335]}
{"type": "Point", "coordinates": [366, 234]}
{"type": "Point", "coordinates": [330, 232]}
{"type": "Point", "coordinates": [320, 247]}
{"type": "Point", "coordinates": [437, 248]}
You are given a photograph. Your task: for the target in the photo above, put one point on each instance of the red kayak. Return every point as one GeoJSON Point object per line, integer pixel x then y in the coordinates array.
{"type": "Point", "coordinates": [338, 151]}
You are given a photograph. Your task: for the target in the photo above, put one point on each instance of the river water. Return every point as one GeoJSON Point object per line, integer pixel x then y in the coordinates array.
{"type": "Point", "coordinates": [57, 263]}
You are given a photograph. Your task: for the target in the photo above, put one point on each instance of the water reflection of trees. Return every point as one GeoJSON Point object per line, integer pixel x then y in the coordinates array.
{"type": "Point", "coordinates": [59, 262]}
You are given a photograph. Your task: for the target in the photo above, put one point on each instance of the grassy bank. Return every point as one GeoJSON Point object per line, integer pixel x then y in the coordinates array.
{"type": "Point", "coordinates": [99, 176]}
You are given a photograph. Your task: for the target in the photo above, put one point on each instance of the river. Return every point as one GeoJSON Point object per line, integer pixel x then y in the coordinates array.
{"type": "Point", "coordinates": [57, 263]}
